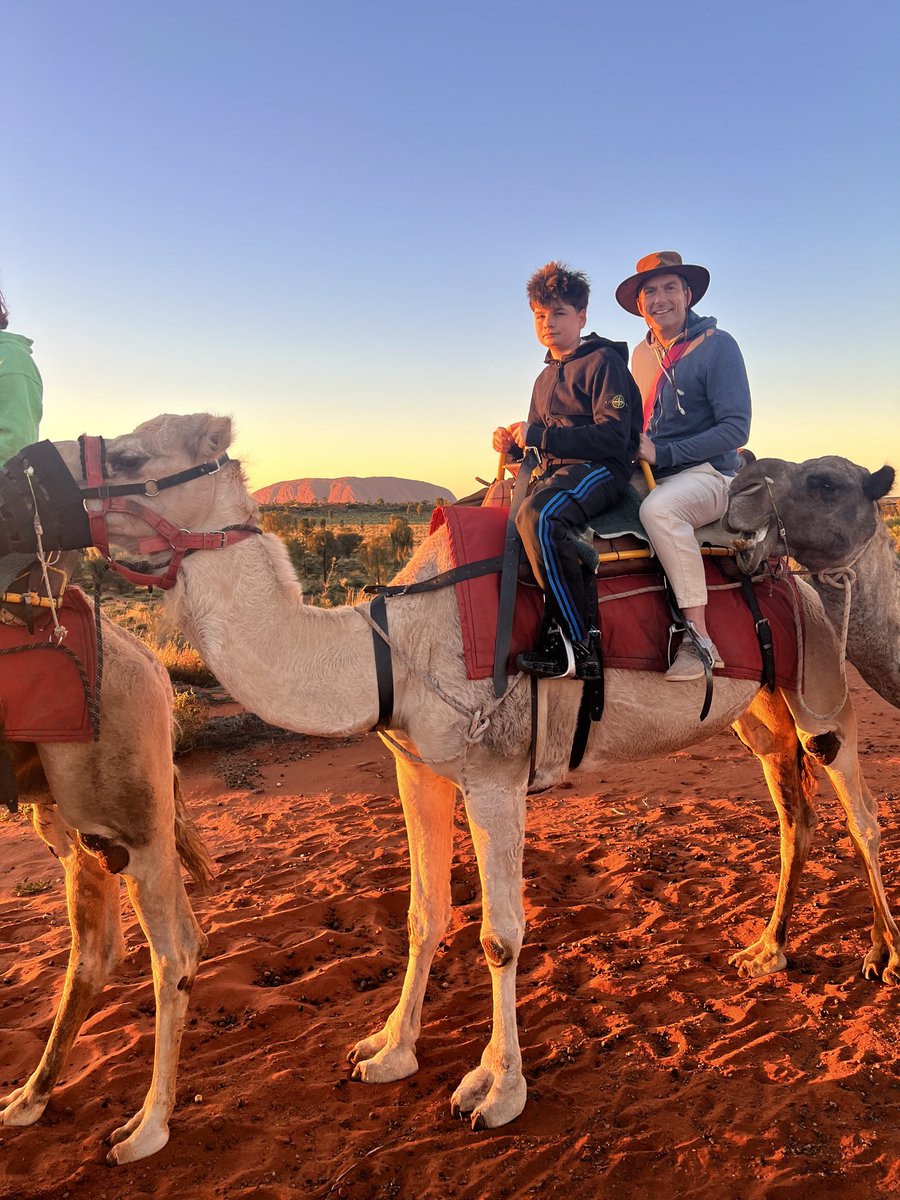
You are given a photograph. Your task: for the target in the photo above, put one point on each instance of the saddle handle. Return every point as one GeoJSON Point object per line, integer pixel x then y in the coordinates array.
{"type": "Point", "coordinates": [648, 474]}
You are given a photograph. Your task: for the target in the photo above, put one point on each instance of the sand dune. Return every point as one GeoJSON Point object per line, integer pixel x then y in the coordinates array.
{"type": "Point", "coordinates": [652, 1067]}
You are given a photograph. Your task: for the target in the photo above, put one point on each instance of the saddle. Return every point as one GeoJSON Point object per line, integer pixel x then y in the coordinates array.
{"type": "Point", "coordinates": [27, 597]}
{"type": "Point", "coordinates": [47, 684]}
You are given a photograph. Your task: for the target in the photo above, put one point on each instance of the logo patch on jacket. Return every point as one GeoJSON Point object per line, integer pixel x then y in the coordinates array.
{"type": "Point", "coordinates": [618, 402]}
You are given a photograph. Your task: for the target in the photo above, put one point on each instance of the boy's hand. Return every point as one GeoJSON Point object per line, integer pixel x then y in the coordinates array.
{"type": "Point", "coordinates": [503, 440]}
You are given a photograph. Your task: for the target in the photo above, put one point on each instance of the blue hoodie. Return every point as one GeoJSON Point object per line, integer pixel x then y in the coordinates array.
{"type": "Point", "coordinates": [711, 420]}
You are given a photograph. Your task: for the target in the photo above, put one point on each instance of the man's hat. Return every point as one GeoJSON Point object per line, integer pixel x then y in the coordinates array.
{"type": "Point", "coordinates": [663, 262]}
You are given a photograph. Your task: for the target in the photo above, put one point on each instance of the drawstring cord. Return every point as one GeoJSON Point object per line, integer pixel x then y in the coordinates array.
{"type": "Point", "coordinates": [59, 631]}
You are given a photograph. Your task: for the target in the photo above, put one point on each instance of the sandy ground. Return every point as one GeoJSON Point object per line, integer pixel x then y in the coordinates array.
{"type": "Point", "coordinates": [652, 1067]}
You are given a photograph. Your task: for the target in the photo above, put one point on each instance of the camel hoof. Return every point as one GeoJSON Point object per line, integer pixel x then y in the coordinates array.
{"type": "Point", "coordinates": [18, 1109]}
{"type": "Point", "coordinates": [138, 1145]}
{"type": "Point", "coordinates": [488, 1101]}
{"type": "Point", "coordinates": [387, 1066]}
{"type": "Point", "coordinates": [756, 962]}
{"type": "Point", "coordinates": [880, 964]}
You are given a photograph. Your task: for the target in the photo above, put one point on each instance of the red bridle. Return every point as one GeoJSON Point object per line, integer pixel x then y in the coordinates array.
{"type": "Point", "coordinates": [112, 499]}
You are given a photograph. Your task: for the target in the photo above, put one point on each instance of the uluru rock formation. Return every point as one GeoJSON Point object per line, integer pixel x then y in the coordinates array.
{"type": "Point", "coordinates": [352, 489]}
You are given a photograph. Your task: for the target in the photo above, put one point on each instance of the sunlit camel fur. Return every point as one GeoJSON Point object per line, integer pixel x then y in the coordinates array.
{"type": "Point", "coordinates": [828, 510]}
{"type": "Point", "coordinates": [119, 795]}
{"type": "Point", "coordinates": [312, 670]}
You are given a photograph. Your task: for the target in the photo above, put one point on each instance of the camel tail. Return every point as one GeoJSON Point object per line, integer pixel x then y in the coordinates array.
{"type": "Point", "coordinates": [189, 844]}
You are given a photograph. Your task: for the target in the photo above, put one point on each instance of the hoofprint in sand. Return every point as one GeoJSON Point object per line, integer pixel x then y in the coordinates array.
{"type": "Point", "coordinates": [647, 1057]}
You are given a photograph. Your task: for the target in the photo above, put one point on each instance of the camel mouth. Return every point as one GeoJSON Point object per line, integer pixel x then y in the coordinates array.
{"type": "Point", "coordinates": [748, 548]}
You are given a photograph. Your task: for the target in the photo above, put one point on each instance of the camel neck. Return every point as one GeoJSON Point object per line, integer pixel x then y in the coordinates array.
{"type": "Point", "coordinates": [247, 615]}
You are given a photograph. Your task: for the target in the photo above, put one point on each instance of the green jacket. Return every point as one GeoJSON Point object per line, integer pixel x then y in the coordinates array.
{"type": "Point", "coordinates": [21, 395]}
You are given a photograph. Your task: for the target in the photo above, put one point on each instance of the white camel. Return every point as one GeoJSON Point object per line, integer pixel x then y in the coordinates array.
{"type": "Point", "coordinates": [114, 807]}
{"type": "Point", "coordinates": [824, 514]}
{"type": "Point", "coordinates": [312, 670]}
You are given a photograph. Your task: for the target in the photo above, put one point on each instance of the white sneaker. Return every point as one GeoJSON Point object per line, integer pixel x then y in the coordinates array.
{"type": "Point", "coordinates": [687, 664]}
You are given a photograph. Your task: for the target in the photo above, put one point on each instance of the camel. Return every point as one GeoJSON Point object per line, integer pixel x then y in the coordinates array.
{"type": "Point", "coordinates": [312, 670]}
{"type": "Point", "coordinates": [824, 514]}
{"type": "Point", "coordinates": [114, 807]}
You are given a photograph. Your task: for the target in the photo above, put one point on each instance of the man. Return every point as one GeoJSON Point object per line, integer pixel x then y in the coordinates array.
{"type": "Point", "coordinates": [696, 416]}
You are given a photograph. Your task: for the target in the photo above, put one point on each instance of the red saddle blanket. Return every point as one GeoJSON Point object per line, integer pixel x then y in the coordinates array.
{"type": "Point", "coordinates": [42, 691]}
{"type": "Point", "coordinates": [634, 615]}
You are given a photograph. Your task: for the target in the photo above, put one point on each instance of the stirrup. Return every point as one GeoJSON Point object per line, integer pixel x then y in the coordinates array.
{"type": "Point", "coordinates": [552, 658]}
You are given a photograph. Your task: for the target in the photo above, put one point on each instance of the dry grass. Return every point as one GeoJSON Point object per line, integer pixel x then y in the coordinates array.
{"type": "Point", "coordinates": [183, 663]}
{"type": "Point", "coordinates": [191, 714]}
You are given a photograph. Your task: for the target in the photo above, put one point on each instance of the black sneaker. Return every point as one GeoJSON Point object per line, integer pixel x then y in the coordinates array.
{"type": "Point", "coordinates": [587, 664]}
{"type": "Point", "coordinates": [550, 659]}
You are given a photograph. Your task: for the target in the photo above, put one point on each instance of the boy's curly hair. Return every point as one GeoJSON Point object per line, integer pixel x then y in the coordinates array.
{"type": "Point", "coordinates": [557, 281]}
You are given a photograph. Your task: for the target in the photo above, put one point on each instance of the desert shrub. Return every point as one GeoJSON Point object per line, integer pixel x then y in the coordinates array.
{"type": "Point", "coordinates": [183, 663]}
{"type": "Point", "coordinates": [32, 887]}
{"type": "Point", "coordinates": [191, 715]}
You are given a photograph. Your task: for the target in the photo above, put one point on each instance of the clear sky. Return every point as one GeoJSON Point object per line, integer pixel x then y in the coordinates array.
{"type": "Point", "coordinates": [319, 217]}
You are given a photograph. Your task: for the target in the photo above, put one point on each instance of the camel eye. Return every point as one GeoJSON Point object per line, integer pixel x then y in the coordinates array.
{"type": "Point", "coordinates": [824, 486]}
{"type": "Point", "coordinates": [127, 462]}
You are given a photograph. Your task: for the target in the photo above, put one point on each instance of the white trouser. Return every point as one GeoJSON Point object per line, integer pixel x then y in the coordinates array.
{"type": "Point", "coordinates": [676, 507]}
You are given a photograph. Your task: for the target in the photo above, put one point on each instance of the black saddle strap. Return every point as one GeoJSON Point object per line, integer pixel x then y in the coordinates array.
{"type": "Point", "coordinates": [763, 633]}
{"type": "Point", "coordinates": [472, 570]}
{"type": "Point", "coordinates": [582, 729]}
{"type": "Point", "coordinates": [509, 574]}
{"type": "Point", "coordinates": [532, 754]}
{"type": "Point", "coordinates": [384, 670]}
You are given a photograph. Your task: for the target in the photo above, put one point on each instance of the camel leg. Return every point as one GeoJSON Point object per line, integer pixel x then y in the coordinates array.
{"type": "Point", "coordinates": [494, 1093]}
{"type": "Point", "coordinates": [176, 945]}
{"type": "Point", "coordinates": [768, 729]}
{"type": "Point", "coordinates": [96, 949]}
{"type": "Point", "coordinates": [837, 751]}
{"type": "Point", "coordinates": [428, 803]}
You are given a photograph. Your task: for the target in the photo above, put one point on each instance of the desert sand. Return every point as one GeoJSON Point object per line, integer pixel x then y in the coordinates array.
{"type": "Point", "coordinates": [653, 1068]}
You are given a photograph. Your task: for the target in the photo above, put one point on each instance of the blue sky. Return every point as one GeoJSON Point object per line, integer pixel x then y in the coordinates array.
{"type": "Point", "coordinates": [319, 218]}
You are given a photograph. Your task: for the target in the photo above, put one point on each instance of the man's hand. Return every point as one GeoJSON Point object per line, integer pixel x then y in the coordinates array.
{"type": "Point", "coordinates": [646, 450]}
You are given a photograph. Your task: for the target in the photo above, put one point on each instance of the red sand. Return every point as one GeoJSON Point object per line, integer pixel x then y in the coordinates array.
{"type": "Point", "coordinates": [652, 1067]}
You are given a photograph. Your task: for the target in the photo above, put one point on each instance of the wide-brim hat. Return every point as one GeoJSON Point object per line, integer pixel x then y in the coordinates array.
{"type": "Point", "coordinates": [662, 262]}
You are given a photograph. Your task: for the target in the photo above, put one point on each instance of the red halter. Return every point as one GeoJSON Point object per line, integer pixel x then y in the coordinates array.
{"type": "Point", "coordinates": [169, 536]}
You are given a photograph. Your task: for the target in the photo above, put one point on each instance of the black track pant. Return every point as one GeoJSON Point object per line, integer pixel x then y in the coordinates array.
{"type": "Point", "coordinates": [557, 503]}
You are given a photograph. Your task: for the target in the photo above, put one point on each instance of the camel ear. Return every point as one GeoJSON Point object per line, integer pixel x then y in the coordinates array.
{"type": "Point", "coordinates": [213, 436]}
{"type": "Point", "coordinates": [879, 483]}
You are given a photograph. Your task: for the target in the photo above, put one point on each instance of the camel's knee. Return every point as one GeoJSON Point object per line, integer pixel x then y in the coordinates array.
{"type": "Point", "coordinates": [823, 747]}
{"type": "Point", "coordinates": [426, 926]}
{"type": "Point", "coordinates": [499, 950]}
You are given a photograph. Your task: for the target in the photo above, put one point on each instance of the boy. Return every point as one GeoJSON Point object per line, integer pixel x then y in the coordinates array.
{"type": "Point", "coordinates": [585, 418]}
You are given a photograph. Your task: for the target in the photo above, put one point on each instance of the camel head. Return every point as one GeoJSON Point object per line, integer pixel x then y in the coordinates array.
{"type": "Point", "coordinates": [162, 447]}
{"type": "Point", "coordinates": [820, 511]}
